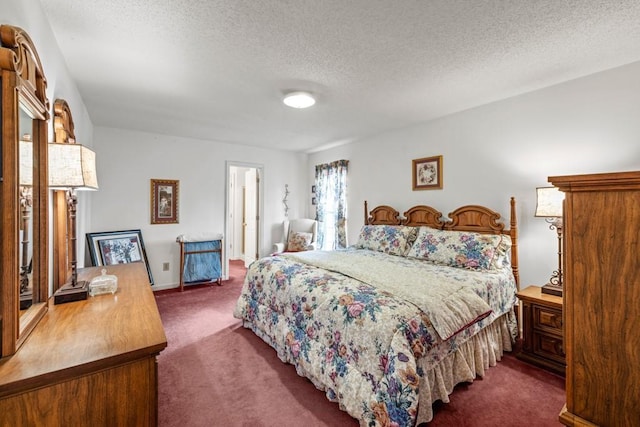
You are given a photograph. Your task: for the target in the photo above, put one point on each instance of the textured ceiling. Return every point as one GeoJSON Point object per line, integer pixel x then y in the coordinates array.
{"type": "Point", "coordinates": [216, 69]}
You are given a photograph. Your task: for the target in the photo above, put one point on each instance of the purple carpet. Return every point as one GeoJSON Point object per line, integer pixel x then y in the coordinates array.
{"type": "Point", "coordinates": [214, 372]}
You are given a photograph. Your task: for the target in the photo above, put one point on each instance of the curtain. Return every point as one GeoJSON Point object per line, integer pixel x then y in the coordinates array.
{"type": "Point", "coordinates": [331, 208]}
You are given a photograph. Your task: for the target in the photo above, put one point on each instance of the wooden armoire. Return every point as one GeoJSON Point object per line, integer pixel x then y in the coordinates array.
{"type": "Point", "coordinates": [601, 298]}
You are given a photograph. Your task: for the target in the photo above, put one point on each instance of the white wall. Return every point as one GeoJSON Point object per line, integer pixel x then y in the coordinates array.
{"type": "Point", "coordinates": [127, 160]}
{"type": "Point", "coordinates": [28, 15]}
{"type": "Point", "coordinates": [503, 149]}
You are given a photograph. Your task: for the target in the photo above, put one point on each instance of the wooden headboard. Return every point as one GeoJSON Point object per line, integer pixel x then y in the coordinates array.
{"type": "Point", "coordinates": [475, 218]}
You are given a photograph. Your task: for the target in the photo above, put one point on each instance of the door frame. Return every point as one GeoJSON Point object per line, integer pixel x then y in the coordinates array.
{"type": "Point", "coordinates": [227, 211]}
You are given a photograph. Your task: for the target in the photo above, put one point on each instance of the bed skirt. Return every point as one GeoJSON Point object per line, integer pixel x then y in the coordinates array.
{"type": "Point", "coordinates": [472, 358]}
{"type": "Point", "coordinates": [469, 361]}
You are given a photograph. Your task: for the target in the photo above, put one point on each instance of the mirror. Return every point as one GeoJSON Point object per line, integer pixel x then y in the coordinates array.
{"type": "Point", "coordinates": [25, 195]}
{"type": "Point", "coordinates": [31, 213]}
{"type": "Point", "coordinates": [24, 268]}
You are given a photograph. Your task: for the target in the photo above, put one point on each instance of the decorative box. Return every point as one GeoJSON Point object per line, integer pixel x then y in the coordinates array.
{"type": "Point", "coordinates": [103, 284]}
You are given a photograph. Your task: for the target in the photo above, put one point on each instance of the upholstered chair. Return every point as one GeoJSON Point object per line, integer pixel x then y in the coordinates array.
{"type": "Point", "coordinates": [298, 235]}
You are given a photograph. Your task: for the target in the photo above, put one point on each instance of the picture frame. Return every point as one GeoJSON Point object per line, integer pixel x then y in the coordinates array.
{"type": "Point", "coordinates": [427, 173]}
{"type": "Point", "coordinates": [313, 189]}
{"type": "Point", "coordinates": [314, 201]}
{"type": "Point", "coordinates": [164, 201]}
{"type": "Point", "coordinates": [118, 247]}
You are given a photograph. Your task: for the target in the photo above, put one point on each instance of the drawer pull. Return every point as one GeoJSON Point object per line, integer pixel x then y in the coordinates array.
{"type": "Point", "coordinates": [552, 320]}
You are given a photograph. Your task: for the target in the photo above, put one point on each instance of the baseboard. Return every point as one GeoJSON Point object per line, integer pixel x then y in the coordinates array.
{"type": "Point", "coordinates": [165, 287]}
{"type": "Point", "coordinates": [168, 286]}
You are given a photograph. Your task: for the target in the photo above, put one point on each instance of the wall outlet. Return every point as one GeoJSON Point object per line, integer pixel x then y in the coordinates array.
{"type": "Point", "coordinates": [165, 266]}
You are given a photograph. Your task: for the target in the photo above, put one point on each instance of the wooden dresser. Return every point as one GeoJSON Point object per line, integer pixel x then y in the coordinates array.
{"type": "Point", "coordinates": [542, 329]}
{"type": "Point", "coordinates": [602, 298]}
{"type": "Point", "coordinates": [89, 363]}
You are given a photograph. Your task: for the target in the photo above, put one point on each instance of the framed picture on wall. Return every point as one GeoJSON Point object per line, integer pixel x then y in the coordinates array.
{"type": "Point", "coordinates": [118, 247]}
{"type": "Point", "coordinates": [427, 173]}
{"type": "Point", "coordinates": [164, 201]}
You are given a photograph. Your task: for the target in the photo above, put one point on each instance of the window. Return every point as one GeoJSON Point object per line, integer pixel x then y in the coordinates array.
{"type": "Point", "coordinates": [331, 210]}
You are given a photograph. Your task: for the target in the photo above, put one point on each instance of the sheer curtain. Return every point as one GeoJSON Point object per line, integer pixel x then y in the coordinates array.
{"type": "Point", "coordinates": [331, 208]}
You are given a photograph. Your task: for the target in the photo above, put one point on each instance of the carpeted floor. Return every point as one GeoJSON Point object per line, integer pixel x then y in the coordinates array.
{"type": "Point", "coordinates": [214, 372]}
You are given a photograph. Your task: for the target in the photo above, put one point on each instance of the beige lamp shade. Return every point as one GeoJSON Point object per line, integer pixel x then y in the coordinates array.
{"type": "Point", "coordinates": [26, 163]}
{"type": "Point", "coordinates": [72, 166]}
{"type": "Point", "coordinates": [549, 202]}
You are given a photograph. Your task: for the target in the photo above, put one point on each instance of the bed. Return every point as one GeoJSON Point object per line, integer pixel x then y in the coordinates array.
{"type": "Point", "coordinates": [391, 324]}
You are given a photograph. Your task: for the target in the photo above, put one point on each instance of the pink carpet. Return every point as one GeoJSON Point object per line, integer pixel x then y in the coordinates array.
{"type": "Point", "coordinates": [214, 372]}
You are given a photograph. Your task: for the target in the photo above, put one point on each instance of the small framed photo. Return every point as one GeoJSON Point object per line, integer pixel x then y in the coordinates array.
{"type": "Point", "coordinates": [118, 247]}
{"type": "Point", "coordinates": [427, 173]}
{"type": "Point", "coordinates": [313, 189]}
{"type": "Point", "coordinates": [314, 201]}
{"type": "Point", "coordinates": [164, 201]}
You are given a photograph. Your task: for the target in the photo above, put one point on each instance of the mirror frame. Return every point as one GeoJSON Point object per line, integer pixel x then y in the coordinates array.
{"type": "Point", "coordinates": [23, 85]}
{"type": "Point", "coordinates": [64, 130]}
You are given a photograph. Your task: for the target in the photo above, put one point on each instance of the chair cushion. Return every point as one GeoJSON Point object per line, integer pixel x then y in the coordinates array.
{"type": "Point", "coordinates": [298, 241]}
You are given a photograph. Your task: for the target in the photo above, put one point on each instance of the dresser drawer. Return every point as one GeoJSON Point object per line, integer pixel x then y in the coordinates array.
{"type": "Point", "coordinates": [547, 319]}
{"type": "Point", "coordinates": [548, 346]}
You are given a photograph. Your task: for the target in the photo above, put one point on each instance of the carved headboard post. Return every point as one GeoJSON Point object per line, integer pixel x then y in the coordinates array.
{"type": "Point", "coordinates": [513, 232]}
{"type": "Point", "coordinates": [366, 213]}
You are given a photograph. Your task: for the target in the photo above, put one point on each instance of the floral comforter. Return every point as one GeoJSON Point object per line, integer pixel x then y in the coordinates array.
{"type": "Point", "coordinates": [359, 341]}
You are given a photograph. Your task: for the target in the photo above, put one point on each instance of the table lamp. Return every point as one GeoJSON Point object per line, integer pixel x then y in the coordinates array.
{"type": "Point", "coordinates": [549, 206]}
{"type": "Point", "coordinates": [72, 167]}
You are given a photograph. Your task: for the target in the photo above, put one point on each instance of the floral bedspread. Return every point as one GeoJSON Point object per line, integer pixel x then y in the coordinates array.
{"type": "Point", "coordinates": [358, 342]}
{"type": "Point", "coordinates": [451, 306]}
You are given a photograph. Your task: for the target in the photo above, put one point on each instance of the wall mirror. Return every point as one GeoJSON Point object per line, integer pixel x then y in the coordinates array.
{"type": "Point", "coordinates": [25, 197]}
{"type": "Point", "coordinates": [62, 246]}
{"type": "Point", "coordinates": [23, 189]}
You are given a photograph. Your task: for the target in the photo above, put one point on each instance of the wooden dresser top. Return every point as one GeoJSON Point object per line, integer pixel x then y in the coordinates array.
{"type": "Point", "coordinates": [85, 336]}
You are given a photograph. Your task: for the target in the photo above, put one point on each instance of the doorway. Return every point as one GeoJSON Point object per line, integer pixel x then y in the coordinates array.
{"type": "Point", "coordinates": [244, 209]}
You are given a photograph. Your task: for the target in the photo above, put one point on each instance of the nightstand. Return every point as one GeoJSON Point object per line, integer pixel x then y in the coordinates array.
{"type": "Point", "coordinates": [542, 330]}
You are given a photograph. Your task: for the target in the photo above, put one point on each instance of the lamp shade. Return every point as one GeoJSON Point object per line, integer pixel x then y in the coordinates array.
{"type": "Point", "coordinates": [26, 163]}
{"type": "Point", "coordinates": [72, 166]}
{"type": "Point", "coordinates": [549, 202]}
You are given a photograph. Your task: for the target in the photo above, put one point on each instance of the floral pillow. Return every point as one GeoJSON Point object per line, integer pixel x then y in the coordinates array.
{"type": "Point", "coordinates": [390, 239]}
{"type": "Point", "coordinates": [502, 256]}
{"type": "Point", "coordinates": [462, 249]}
{"type": "Point", "coordinates": [299, 241]}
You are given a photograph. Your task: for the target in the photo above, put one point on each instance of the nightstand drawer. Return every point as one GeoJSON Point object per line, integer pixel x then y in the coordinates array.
{"type": "Point", "coordinates": [548, 346]}
{"type": "Point", "coordinates": [548, 319]}
{"type": "Point", "coordinates": [542, 329]}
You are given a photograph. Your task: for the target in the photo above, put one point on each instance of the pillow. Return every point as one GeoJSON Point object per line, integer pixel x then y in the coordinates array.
{"type": "Point", "coordinates": [298, 241]}
{"type": "Point", "coordinates": [502, 256]}
{"type": "Point", "coordinates": [390, 239]}
{"type": "Point", "coordinates": [461, 249]}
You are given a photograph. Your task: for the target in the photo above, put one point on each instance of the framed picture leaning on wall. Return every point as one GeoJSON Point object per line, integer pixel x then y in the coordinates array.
{"type": "Point", "coordinates": [118, 247]}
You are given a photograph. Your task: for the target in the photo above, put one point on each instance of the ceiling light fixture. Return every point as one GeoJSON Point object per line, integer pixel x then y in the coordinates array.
{"type": "Point", "coordinates": [299, 99]}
